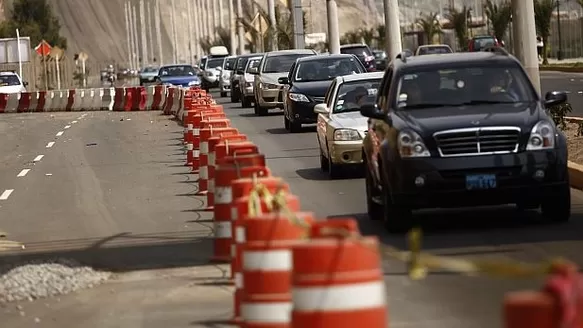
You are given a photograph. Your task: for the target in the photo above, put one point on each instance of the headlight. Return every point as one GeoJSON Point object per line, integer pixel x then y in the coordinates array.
{"type": "Point", "coordinates": [411, 145]}
{"type": "Point", "coordinates": [346, 135]}
{"type": "Point", "coordinates": [269, 86]}
{"type": "Point", "coordinates": [542, 136]}
{"type": "Point", "coordinates": [298, 97]}
{"type": "Point", "coordinates": [195, 82]}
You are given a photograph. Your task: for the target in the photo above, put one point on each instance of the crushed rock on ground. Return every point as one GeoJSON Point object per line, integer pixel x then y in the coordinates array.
{"type": "Point", "coordinates": [40, 279]}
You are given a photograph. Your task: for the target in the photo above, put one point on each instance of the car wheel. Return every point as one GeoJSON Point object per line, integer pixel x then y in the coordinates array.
{"type": "Point", "coordinates": [234, 96]}
{"type": "Point", "coordinates": [396, 219]}
{"type": "Point", "coordinates": [260, 111]}
{"type": "Point", "coordinates": [334, 170]}
{"type": "Point", "coordinates": [323, 162]}
{"type": "Point", "coordinates": [223, 94]}
{"type": "Point", "coordinates": [556, 205]}
{"type": "Point", "coordinates": [295, 127]}
{"type": "Point", "coordinates": [286, 124]}
{"type": "Point", "coordinates": [245, 102]}
{"type": "Point", "coordinates": [374, 199]}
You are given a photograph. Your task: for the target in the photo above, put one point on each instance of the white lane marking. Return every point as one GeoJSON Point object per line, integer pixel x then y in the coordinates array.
{"type": "Point", "coordinates": [23, 173]}
{"type": "Point", "coordinates": [74, 122]}
{"type": "Point", "coordinates": [38, 158]}
{"type": "Point", "coordinates": [67, 127]}
{"type": "Point", "coordinates": [60, 133]}
{"type": "Point", "coordinates": [6, 194]}
{"type": "Point", "coordinates": [50, 144]}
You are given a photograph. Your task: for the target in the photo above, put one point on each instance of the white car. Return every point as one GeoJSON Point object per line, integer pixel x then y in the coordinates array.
{"type": "Point", "coordinates": [246, 82]}
{"type": "Point", "coordinates": [10, 82]}
{"type": "Point", "coordinates": [225, 79]}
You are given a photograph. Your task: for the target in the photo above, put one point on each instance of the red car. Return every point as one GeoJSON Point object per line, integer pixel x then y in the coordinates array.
{"type": "Point", "coordinates": [478, 43]}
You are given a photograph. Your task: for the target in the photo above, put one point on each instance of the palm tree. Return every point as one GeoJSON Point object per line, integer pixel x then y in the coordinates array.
{"type": "Point", "coordinates": [500, 16]}
{"type": "Point", "coordinates": [223, 38]}
{"type": "Point", "coordinates": [430, 26]}
{"type": "Point", "coordinates": [459, 23]}
{"type": "Point", "coordinates": [381, 36]}
{"type": "Point", "coordinates": [367, 35]}
{"type": "Point", "coordinates": [351, 37]}
{"type": "Point", "coordinates": [543, 14]}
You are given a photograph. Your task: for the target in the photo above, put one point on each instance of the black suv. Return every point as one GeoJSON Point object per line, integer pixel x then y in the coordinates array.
{"type": "Point", "coordinates": [363, 53]}
{"type": "Point", "coordinates": [459, 130]}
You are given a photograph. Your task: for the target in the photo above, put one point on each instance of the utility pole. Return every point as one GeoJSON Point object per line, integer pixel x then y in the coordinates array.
{"type": "Point", "coordinates": [272, 25]}
{"type": "Point", "coordinates": [333, 30]}
{"type": "Point", "coordinates": [128, 34]}
{"type": "Point", "coordinates": [525, 39]}
{"type": "Point", "coordinates": [392, 28]}
{"type": "Point", "coordinates": [240, 28]}
{"type": "Point", "coordinates": [190, 31]}
{"type": "Point", "coordinates": [213, 9]}
{"type": "Point", "coordinates": [150, 27]}
{"type": "Point", "coordinates": [199, 25]}
{"type": "Point", "coordinates": [232, 28]}
{"type": "Point", "coordinates": [297, 15]}
{"type": "Point", "coordinates": [174, 33]}
{"type": "Point", "coordinates": [158, 32]}
{"type": "Point", "coordinates": [144, 33]}
{"type": "Point", "coordinates": [136, 40]}
{"type": "Point", "coordinates": [222, 13]}
{"type": "Point", "coordinates": [210, 21]}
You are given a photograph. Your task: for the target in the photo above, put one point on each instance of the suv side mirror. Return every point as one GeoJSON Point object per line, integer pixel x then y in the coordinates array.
{"type": "Point", "coordinates": [283, 80]}
{"type": "Point", "coordinates": [554, 98]}
{"type": "Point", "coordinates": [253, 70]}
{"type": "Point", "coordinates": [372, 111]}
{"type": "Point", "coordinates": [321, 109]}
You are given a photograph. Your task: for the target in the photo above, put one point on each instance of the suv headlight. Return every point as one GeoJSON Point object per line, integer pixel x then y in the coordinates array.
{"type": "Point", "coordinates": [269, 86]}
{"type": "Point", "coordinates": [195, 82]}
{"type": "Point", "coordinates": [346, 135]}
{"type": "Point", "coordinates": [542, 136]}
{"type": "Point", "coordinates": [411, 145]}
{"type": "Point", "coordinates": [298, 97]}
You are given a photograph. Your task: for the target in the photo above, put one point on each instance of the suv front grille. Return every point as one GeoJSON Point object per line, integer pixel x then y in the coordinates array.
{"type": "Point", "coordinates": [477, 141]}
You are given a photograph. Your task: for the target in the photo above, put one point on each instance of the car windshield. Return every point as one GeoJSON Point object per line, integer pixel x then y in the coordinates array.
{"type": "Point", "coordinates": [361, 51]}
{"type": "Point", "coordinates": [380, 55]}
{"type": "Point", "coordinates": [480, 43]}
{"type": "Point", "coordinates": [185, 70]}
{"type": "Point", "coordinates": [434, 50]}
{"type": "Point", "coordinates": [7, 80]}
{"type": "Point", "coordinates": [229, 64]}
{"type": "Point", "coordinates": [352, 95]}
{"type": "Point", "coordinates": [325, 69]}
{"type": "Point", "coordinates": [281, 63]}
{"type": "Point", "coordinates": [214, 63]}
{"type": "Point", "coordinates": [241, 63]}
{"type": "Point", "coordinates": [464, 86]}
{"type": "Point", "coordinates": [253, 63]}
{"type": "Point", "coordinates": [149, 70]}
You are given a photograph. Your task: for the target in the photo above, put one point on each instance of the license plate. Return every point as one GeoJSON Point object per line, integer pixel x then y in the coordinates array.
{"type": "Point", "coordinates": [481, 181]}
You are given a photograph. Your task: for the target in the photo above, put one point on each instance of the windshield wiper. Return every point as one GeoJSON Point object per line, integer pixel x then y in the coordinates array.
{"type": "Point", "coordinates": [485, 102]}
{"type": "Point", "coordinates": [428, 105]}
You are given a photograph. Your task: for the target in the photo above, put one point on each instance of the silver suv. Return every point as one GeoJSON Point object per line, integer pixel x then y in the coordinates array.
{"type": "Point", "coordinates": [275, 64]}
{"type": "Point", "coordinates": [235, 77]}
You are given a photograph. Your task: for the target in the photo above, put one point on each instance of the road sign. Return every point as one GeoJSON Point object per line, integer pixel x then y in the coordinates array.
{"type": "Point", "coordinates": [249, 37]}
{"type": "Point", "coordinates": [43, 48]}
{"type": "Point", "coordinates": [9, 50]}
{"type": "Point", "coordinates": [57, 52]}
{"type": "Point", "coordinates": [260, 24]}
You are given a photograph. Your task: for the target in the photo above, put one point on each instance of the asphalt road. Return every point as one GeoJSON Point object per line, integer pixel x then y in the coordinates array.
{"type": "Point", "coordinates": [570, 82]}
{"type": "Point", "coordinates": [443, 299]}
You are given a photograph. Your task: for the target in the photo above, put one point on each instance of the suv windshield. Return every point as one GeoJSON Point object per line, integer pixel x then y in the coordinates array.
{"type": "Point", "coordinates": [229, 64]}
{"type": "Point", "coordinates": [434, 50]}
{"type": "Point", "coordinates": [463, 86]}
{"type": "Point", "coordinates": [214, 63]}
{"type": "Point", "coordinates": [352, 95]}
{"type": "Point", "coordinates": [485, 42]}
{"type": "Point", "coordinates": [281, 63]}
{"type": "Point", "coordinates": [359, 51]}
{"type": "Point", "coordinates": [184, 70]}
{"type": "Point", "coordinates": [253, 64]}
{"type": "Point", "coordinates": [7, 80]}
{"type": "Point", "coordinates": [326, 69]}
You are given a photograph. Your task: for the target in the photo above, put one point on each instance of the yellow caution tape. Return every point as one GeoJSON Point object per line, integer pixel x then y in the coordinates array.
{"type": "Point", "coordinates": [6, 245]}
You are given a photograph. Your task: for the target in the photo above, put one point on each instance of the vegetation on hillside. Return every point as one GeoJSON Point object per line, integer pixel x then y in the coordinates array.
{"type": "Point", "coordinates": [35, 19]}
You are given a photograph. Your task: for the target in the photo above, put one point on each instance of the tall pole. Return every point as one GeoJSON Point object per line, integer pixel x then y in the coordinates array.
{"type": "Point", "coordinates": [559, 38]}
{"type": "Point", "coordinates": [333, 30]}
{"type": "Point", "coordinates": [213, 9]}
{"type": "Point", "coordinates": [222, 14]}
{"type": "Point", "coordinates": [144, 33]}
{"type": "Point", "coordinates": [240, 28]}
{"type": "Point", "coordinates": [199, 25]}
{"type": "Point", "coordinates": [158, 31]}
{"type": "Point", "coordinates": [191, 31]}
{"type": "Point", "coordinates": [272, 25]}
{"type": "Point", "coordinates": [210, 21]}
{"type": "Point", "coordinates": [392, 28]}
{"type": "Point", "coordinates": [128, 34]}
{"type": "Point", "coordinates": [150, 27]}
{"type": "Point", "coordinates": [232, 28]}
{"type": "Point", "coordinates": [136, 42]}
{"type": "Point", "coordinates": [525, 39]}
{"type": "Point", "coordinates": [297, 14]}
{"type": "Point", "coordinates": [174, 33]}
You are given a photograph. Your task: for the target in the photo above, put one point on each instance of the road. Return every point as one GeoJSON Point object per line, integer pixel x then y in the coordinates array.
{"type": "Point", "coordinates": [570, 82]}
{"type": "Point", "coordinates": [443, 300]}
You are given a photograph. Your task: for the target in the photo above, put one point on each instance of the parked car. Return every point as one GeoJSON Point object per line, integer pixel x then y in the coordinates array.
{"type": "Point", "coordinates": [240, 65]}
{"type": "Point", "coordinates": [466, 129]}
{"type": "Point", "coordinates": [178, 75]}
{"type": "Point", "coordinates": [340, 127]}
{"type": "Point", "coordinates": [433, 49]}
{"type": "Point", "coordinates": [307, 83]}
{"type": "Point", "coordinates": [275, 64]}
{"type": "Point", "coordinates": [10, 82]}
{"type": "Point", "coordinates": [363, 52]}
{"type": "Point", "coordinates": [148, 75]}
{"type": "Point", "coordinates": [480, 42]}
{"type": "Point", "coordinates": [246, 82]}
{"type": "Point", "coordinates": [226, 72]}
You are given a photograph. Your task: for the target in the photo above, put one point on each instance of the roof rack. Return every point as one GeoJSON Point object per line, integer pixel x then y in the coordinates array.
{"type": "Point", "coordinates": [497, 50]}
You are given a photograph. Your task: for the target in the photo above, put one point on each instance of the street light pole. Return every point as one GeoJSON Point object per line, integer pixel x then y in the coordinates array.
{"type": "Point", "coordinates": [560, 50]}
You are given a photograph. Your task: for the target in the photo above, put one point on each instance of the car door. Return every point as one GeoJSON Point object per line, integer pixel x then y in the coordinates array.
{"type": "Point", "coordinates": [286, 88]}
{"type": "Point", "coordinates": [377, 129]}
{"type": "Point", "coordinates": [324, 120]}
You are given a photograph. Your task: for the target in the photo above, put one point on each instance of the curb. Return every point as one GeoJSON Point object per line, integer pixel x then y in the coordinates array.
{"type": "Point", "coordinates": [566, 69]}
{"type": "Point", "coordinates": [575, 170]}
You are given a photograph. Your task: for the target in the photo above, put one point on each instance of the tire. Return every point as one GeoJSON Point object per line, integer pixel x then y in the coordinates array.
{"type": "Point", "coordinates": [234, 95]}
{"type": "Point", "coordinates": [245, 102]}
{"type": "Point", "coordinates": [260, 111]}
{"type": "Point", "coordinates": [223, 94]}
{"type": "Point", "coordinates": [287, 125]}
{"type": "Point", "coordinates": [295, 127]}
{"type": "Point", "coordinates": [373, 209]}
{"type": "Point", "coordinates": [556, 205]}
{"type": "Point", "coordinates": [323, 162]}
{"type": "Point", "coordinates": [334, 170]}
{"type": "Point", "coordinates": [396, 219]}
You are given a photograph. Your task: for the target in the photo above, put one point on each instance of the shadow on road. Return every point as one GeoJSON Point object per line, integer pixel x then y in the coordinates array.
{"type": "Point", "coordinates": [315, 174]}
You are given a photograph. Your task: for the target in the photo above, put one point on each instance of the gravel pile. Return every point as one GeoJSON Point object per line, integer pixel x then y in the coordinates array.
{"type": "Point", "coordinates": [44, 279]}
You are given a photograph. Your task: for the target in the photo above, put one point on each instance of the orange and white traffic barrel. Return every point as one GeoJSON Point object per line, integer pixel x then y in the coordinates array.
{"type": "Point", "coordinates": [532, 309]}
{"type": "Point", "coordinates": [218, 131]}
{"type": "Point", "coordinates": [227, 172]}
{"type": "Point", "coordinates": [191, 153]}
{"type": "Point", "coordinates": [241, 206]}
{"type": "Point", "coordinates": [207, 131]}
{"type": "Point", "coordinates": [338, 282]}
{"type": "Point", "coordinates": [338, 227]}
{"type": "Point", "coordinates": [267, 269]}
